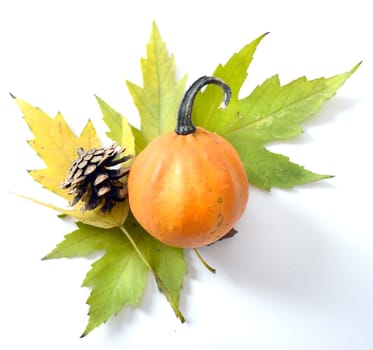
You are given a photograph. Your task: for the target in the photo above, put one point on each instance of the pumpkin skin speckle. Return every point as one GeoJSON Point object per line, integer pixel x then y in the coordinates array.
{"type": "Point", "coordinates": [188, 190]}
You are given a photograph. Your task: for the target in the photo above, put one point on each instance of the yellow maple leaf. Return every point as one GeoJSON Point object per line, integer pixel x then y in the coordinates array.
{"type": "Point", "coordinates": [56, 144]}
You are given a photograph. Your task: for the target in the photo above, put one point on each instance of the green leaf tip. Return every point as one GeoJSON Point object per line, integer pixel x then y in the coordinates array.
{"type": "Point", "coordinates": [354, 69]}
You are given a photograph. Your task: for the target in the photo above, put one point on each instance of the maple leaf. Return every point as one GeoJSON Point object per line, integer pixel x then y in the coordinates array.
{"type": "Point", "coordinates": [57, 145]}
{"type": "Point", "coordinates": [157, 103]}
{"type": "Point", "coordinates": [262, 122]}
{"type": "Point", "coordinates": [158, 100]}
{"type": "Point", "coordinates": [271, 112]}
{"type": "Point", "coordinates": [119, 277]}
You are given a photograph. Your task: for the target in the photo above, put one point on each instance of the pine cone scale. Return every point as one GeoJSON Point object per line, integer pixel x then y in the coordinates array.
{"type": "Point", "coordinates": [101, 178]}
{"type": "Point", "coordinates": [89, 169]}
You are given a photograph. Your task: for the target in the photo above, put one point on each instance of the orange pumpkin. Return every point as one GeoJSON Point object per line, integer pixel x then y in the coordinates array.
{"type": "Point", "coordinates": [188, 188]}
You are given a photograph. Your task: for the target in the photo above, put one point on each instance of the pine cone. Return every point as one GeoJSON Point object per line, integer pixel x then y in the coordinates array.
{"type": "Point", "coordinates": [93, 180]}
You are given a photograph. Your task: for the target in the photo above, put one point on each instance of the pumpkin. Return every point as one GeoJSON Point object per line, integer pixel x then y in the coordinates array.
{"type": "Point", "coordinates": [188, 187]}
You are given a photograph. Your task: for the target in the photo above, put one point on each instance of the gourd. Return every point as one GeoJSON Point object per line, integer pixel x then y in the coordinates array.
{"type": "Point", "coordinates": [188, 187]}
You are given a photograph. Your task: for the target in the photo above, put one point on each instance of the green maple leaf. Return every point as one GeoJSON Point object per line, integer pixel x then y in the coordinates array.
{"type": "Point", "coordinates": [158, 100]}
{"type": "Point", "coordinates": [157, 103]}
{"type": "Point", "coordinates": [271, 112]}
{"type": "Point", "coordinates": [274, 112]}
{"type": "Point", "coordinates": [118, 278]}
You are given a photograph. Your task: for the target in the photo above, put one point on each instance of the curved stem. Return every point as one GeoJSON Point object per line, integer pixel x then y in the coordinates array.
{"type": "Point", "coordinates": [184, 119]}
{"type": "Point", "coordinates": [205, 264]}
{"type": "Point", "coordinates": [160, 283]}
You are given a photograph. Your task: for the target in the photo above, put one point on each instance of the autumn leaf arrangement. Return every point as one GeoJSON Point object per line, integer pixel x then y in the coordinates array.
{"type": "Point", "coordinates": [92, 177]}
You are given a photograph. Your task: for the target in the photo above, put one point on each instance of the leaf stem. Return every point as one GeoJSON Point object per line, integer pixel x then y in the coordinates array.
{"type": "Point", "coordinates": [205, 264]}
{"type": "Point", "coordinates": [160, 283]}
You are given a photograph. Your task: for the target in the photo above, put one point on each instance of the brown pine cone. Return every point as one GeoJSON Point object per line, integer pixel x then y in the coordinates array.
{"type": "Point", "coordinates": [94, 179]}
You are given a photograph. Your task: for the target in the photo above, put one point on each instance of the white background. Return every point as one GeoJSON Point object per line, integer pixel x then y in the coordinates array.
{"type": "Point", "coordinates": [300, 273]}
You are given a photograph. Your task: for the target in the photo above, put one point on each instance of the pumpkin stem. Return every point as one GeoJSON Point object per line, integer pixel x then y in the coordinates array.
{"type": "Point", "coordinates": [184, 120]}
